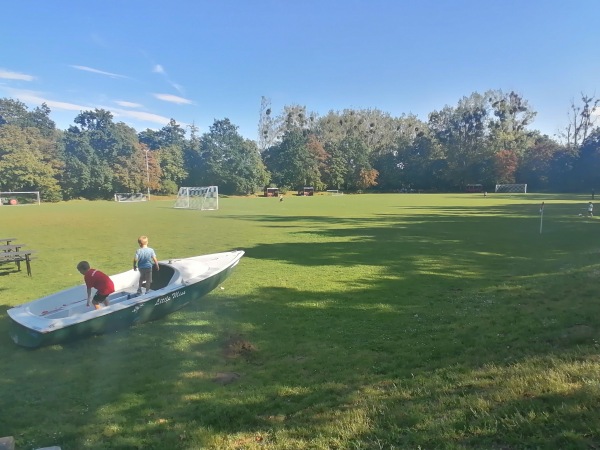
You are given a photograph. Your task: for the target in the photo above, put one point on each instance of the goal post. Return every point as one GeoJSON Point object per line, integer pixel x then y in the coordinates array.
{"type": "Point", "coordinates": [511, 188]}
{"type": "Point", "coordinates": [131, 197]}
{"type": "Point", "coordinates": [20, 198]}
{"type": "Point", "coordinates": [334, 192]}
{"type": "Point", "coordinates": [204, 198]}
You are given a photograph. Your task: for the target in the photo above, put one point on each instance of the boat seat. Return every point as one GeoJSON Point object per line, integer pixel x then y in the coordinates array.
{"type": "Point", "coordinates": [58, 314]}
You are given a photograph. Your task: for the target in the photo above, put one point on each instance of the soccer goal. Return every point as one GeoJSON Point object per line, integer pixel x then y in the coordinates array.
{"type": "Point", "coordinates": [203, 198]}
{"type": "Point", "coordinates": [334, 192]}
{"type": "Point", "coordinates": [512, 188]}
{"type": "Point", "coordinates": [20, 198]}
{"type": "Point", "coordinates": [131, 197]}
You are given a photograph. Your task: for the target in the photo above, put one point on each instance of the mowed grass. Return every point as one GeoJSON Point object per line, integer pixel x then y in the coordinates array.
{"type": "Point", "coordinates": [401, 321]}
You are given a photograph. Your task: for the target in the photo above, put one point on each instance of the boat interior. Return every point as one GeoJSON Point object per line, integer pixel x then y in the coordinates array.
{"type": "Point", "coordinates": [126, 286]}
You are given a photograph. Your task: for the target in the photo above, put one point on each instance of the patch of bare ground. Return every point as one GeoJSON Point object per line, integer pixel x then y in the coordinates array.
{"type": "Point", "coordinates": [234, 346]}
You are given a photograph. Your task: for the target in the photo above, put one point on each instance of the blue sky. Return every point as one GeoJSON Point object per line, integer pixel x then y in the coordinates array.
{"type": "Point", "coordinates": [196, 61]}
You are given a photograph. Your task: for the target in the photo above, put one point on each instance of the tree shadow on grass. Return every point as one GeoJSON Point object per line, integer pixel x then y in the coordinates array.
{"type": "Point", "coordinates": [446, 296]}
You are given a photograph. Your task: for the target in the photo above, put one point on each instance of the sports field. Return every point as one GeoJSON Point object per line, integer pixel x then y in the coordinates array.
{"type": "Point", "coordinates": [398, 321]}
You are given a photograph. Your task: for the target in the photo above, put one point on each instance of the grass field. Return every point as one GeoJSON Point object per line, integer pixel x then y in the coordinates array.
{"type": "Point", "coordinates": [401, 321]}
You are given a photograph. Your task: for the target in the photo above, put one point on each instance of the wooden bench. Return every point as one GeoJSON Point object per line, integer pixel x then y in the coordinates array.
{"type": "Point", "coordinates": [17, 257]}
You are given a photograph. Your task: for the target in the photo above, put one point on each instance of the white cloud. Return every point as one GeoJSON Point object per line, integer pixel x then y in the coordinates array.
{"type": "Point", "coordinates": [101, 72]}
{"type": "Point", "coordinates": [141, 115]}
{"type": "Point", "coordinates": [36, 99]}
{"type": "Point", "coordinates": [173, 99]}
{"type": "Point", "coordinates": [8, 75]}
{"type": "Point", "coordinates": [126, 104]}
{"type": "Point", "coordinates": [161, 70]}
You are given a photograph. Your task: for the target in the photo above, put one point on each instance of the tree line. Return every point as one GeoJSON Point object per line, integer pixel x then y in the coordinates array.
{"type": "Point", "coordinates": [485, 139]}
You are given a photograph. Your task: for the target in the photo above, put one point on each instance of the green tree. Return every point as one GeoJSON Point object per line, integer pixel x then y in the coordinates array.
{"type": "Point", "coordinates": [359, 174]}
{"type": "Point", "coordinates": [587, 167]}
{"type": "Point", "coordinates": [293, 162]}
{"type": "Point", "coordinates": [462, 133]}
{"type": "Point", "coordinates": [100, 156]}
{"type": "Point", "coordinates": [170, 134]}
{"type": "Point", "coordinates": [14, 112]}
{"type": "Point", "coordinates": [335, 170]}
{"type": "Point", "coordinates": [536, 164]}
{"type": "Point", "coordinates": [86, 174]}
{"type": "Point", "coordinates": [138, 172]}
{"type": "Point", "coordinates": [25, 164]}
{"type": "Point", "coordinates": [229, 161]}
{"type": "Point", "coordinates": [171, 162]}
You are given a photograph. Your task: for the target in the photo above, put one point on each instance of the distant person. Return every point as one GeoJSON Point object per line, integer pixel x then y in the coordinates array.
{"type": "Point", "coordinates": [593, 194]}
{"type": "Point", "coordinates": [280, 197]}
{"type": "Point", "coordinates": [590, 209]}
{"type": "Point", "coordinates": [143, 259]}
{"type": "Point", "coordinates": [485, 193]}
{"type": "Point", "coordinates": [98, 280]}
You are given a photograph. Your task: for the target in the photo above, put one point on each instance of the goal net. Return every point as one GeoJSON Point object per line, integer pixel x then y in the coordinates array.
{"type": "Point", "coordinates": [131, 197]}
{"type": "Point", "coordinates": [512, 188]}
{"type": "Point", "coordinates": [20, 198]}
{"type": "Point", "coordinates": [334, 192]}
{"type": "Point", "coordinates": [203, 198]}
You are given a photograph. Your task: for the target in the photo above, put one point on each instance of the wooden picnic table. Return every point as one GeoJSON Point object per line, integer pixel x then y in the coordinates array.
{"type": "Point", "coordinates": [17, 257]}
{"type": "Point", "coordinates": [7, 240]}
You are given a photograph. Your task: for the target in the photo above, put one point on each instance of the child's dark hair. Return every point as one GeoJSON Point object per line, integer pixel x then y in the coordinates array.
{"type": "Point", "coordinates": [83, 266]}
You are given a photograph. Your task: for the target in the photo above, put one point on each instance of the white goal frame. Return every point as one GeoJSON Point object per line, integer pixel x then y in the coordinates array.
{"type": "Point", "coordinates": [334, 192]}
{"type": "Point", "coordinates": [131, 197]}
{"type": "Point", "coordinates": [6, 197]}
{"type": "Point", "coordinates": [204, 198]}
{"type": "Point", "coordinates": [511, 188]}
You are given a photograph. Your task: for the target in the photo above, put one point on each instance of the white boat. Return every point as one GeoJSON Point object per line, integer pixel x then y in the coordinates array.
{"type": "Point", "coordinates": [64, 316]}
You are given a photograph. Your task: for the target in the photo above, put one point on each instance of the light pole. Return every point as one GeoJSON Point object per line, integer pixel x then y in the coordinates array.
{"type": "Point", "coordinates": [147, 173]}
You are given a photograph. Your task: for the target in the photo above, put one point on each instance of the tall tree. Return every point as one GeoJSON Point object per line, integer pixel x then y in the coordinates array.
{"type": "Point", "coordinates": [229, 161]}
{"type": "Point", "coordinates": [14, 112]}
{"type": "Point", "coordinates": [192, 156]}
{"type": "Point", "coordinates": [511, 117]}
{"type": "Point", "coordinates": [587, 167]}
{"type": "Point", "coordinates": [359, 172]}
{"type": "Point", "coordinates": [24, 163]}
{"type": "Point", "coordinates": [535, 166]}
{"type": "Point", "coordinates": [292, 162]}
{"type": "Point", "coordinates": [172, 168]}
{"type": "Point", "coordinates": [582, 120]}
{"type": "Point", "coordinates": [137, 172]}
{"type": "Point", "coordinates": [86, 174]}
{"type": "Point", "coordinates": [266, 130]}
{"type": "Point", "coordinates": [462, 133]}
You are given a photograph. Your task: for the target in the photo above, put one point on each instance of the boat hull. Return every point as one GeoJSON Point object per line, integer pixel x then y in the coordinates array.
{"type": "Point", "coordinates": [138, 310]}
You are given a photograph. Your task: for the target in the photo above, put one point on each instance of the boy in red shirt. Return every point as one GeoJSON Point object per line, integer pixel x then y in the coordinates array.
{"type": "Point", "coordinates": [98, 280]}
